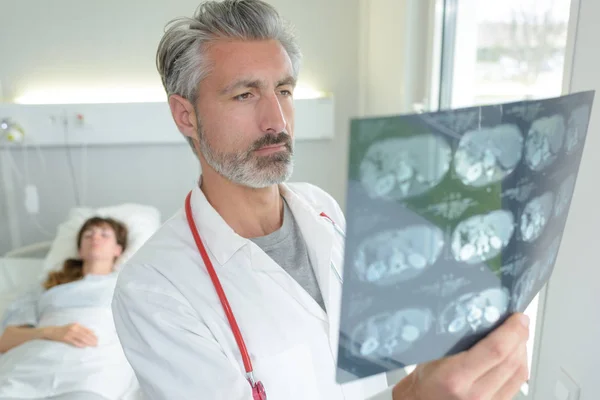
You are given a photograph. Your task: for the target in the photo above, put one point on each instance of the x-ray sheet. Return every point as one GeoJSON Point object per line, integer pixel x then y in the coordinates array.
{"type": "Point", "coordinates": [454, 221]}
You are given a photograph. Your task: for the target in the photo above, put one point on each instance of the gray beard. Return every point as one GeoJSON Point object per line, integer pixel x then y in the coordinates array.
{"type": "Point", "coordinates": [248, 169]}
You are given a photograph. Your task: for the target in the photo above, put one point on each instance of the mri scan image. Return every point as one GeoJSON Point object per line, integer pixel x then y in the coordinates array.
{"type": "Point", "coordinates": [451, 230]}
{"type": "Point", "coordinates": [393, 256]}
{"type": "Point", "coordinates": [482, 237]}
{"type": "Point", "coordinates": [388, 335]}
{"type": "Point", "coordinates": [473, 312]}
{"type": "Point", "coordinates": [544, 141]}
{"type": "Point", "coordinates": [535, 216]}
{"type": "Point", "coordinates": [405, 167]}
{"type": "Point", "coordinates": [488, 155]}
{"type": "Point", "coordinates": [576, 127]}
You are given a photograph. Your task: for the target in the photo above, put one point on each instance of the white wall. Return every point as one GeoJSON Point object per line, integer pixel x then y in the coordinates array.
{"type": "Point", "coordinates": [76, 44]}
{"type": "Point", "coordinates": [570, 334]}
{"type": "Point", "coordinates": [394, 55]}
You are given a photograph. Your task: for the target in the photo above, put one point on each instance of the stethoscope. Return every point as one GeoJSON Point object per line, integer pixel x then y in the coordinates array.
{"type": "Point", "coordinates": [258, 389]}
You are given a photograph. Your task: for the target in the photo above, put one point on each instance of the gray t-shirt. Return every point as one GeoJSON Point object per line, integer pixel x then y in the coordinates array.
{"type": "Point", "coordinates": [287, 248]}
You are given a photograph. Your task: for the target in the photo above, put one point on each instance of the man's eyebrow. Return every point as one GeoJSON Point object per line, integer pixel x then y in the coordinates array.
{"type": "Point", "coordinates": [290, 80]}
{"type": "Point", "coordinates": [255, 84]}
{"type": "Point", "coordinates": [243, 83]}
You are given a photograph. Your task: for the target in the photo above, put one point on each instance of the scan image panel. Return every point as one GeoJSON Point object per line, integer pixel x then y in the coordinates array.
{"type": "Point", "coordinates": [387, 335]}
{"type": "Point", "coordinates": [394, 256]}
{"type": "Point", "coordinates": [474, 312]}
{"type": "Point", "coordinates": [488, 155]}
{"type": "Point", "coordinates": [454, 222]}
{"type": "Point", "coordinates": [544, 141]}
{"type": "Point", "coordinates": [397, 168]}
{"type": "Point", "coordinates": [482, 237]}
{"type": "Point", "coordinates": [536, 216]}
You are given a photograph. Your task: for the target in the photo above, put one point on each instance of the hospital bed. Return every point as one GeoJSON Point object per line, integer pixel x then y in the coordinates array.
{"type": "Point", "coordinates": [25, 266]}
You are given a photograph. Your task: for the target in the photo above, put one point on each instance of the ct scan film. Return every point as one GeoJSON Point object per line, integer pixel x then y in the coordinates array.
{"type": "Point", "coordinates": [454, 221]}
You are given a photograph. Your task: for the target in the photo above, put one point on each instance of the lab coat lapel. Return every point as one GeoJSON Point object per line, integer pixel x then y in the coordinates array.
{"type": "Point", "coordinates": [262, 262]}
{"type": "Point", "coordinates": [334, 297]}
{"type": "Point", "coordinates": [318, 235]}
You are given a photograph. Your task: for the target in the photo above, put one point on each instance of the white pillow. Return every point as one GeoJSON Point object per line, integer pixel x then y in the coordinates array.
{"type": "Point", "coordinates": [141, 221]}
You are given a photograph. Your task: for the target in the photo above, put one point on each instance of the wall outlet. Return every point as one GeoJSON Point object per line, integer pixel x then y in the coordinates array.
{"type": "Point", "coordinates": [565, 387]}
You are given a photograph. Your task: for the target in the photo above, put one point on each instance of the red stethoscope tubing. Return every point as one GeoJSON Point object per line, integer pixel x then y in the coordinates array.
{"type": "Point", "coordinates": [217, 284]}
{"type": "Point", "coordinates": [257, 387]}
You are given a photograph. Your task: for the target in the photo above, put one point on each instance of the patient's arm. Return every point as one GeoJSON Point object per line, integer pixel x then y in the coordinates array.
{"type": "Point", "coordinates": [14, 336]}
{"type": "Point", "coordinates": [73, 334]}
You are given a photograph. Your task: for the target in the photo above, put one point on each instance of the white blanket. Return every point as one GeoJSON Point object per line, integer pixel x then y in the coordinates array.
{"type": "Point", "coordinates": [42, 368]}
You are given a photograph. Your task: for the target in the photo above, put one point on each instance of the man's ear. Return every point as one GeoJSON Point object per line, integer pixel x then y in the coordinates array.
{"type": "Point", "coordinates": [184, 115]}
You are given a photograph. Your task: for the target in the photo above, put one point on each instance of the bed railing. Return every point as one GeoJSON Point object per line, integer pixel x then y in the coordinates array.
{"type": "Point", "coordinates": [35, 250]}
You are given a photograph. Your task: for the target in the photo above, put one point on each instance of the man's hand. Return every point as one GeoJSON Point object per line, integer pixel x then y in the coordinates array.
{"type": "Point", "coordinates": [73, 334]}
{"type": "Point", "coordinates": [493, 369]}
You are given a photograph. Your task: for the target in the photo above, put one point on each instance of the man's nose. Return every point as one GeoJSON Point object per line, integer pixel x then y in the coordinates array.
{"type": "Point", "coordinates": [272, 119]}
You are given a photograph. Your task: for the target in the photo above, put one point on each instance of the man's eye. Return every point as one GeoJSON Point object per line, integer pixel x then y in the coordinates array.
{"type": "Point", "coordinates": [286, 92]}
{"type": "Point", "coordinates": [243, 96]}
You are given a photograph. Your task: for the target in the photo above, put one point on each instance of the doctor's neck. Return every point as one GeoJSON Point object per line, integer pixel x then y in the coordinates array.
{"type": "Point", "coordinates": [249, 212]}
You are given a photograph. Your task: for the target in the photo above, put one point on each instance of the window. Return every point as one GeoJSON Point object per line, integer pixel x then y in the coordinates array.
{"type": "Point", "coordinates": [499, 51]}
{"type": "Point", "coordinates": [502, 51]}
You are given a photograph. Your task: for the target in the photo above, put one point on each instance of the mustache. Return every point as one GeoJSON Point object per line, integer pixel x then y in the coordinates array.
{"type": "Point", "coordinates": [271, 140]}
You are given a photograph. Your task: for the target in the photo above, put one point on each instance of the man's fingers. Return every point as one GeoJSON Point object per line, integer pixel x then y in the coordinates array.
{"type": "Point", "coordinates": [513, 385]}
{"type": "Point", "coordinates": [500, 375]}
{"type": "Point", "coordinates": [496, 347]}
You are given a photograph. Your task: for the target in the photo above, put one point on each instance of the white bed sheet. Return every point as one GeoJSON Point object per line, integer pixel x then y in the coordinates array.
{"type": "Point", "coordinates": [18, 275]}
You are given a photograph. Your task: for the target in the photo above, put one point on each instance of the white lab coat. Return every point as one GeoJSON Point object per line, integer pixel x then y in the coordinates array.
{"type": "Point", "coordinates": [176, 336]}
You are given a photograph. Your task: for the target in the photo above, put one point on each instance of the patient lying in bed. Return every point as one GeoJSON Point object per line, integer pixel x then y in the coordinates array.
{"type": "Point", "coordinates": [59, 339]}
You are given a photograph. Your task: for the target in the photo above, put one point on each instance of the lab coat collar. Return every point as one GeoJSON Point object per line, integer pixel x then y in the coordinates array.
{"type": "Point", "coordinates": [218, 237]}
{"type": "Point", "coordinates": [223, 242]}
{"type": "Point", "coordinates": [318, 233]}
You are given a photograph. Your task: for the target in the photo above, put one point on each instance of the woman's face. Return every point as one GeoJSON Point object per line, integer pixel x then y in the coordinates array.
{"type": "Point", "coordinates": [99, 243]}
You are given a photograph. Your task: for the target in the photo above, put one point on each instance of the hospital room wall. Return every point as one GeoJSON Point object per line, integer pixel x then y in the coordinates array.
{"type": "Point", "coordinates": [570, 330]}
{"type": "Point", "coordinates": [72, 44]}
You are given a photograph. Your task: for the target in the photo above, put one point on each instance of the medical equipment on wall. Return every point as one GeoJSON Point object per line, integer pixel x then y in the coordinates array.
{"type": "Point", "coordinates": [10, 131]}
{"type": "Point", "coordinates": [258, 390]}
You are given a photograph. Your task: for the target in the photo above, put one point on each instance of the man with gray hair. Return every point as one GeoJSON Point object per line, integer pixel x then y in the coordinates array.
{"type": "Point", "coordinates": [238, 295]}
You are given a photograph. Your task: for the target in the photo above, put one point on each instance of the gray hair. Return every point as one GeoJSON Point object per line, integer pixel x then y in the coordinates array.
{"type": "Point", "coordinates": [180, 59]}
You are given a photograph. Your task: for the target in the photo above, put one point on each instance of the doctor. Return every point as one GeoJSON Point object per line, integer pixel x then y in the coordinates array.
{"type": "Point", "coordinates": [230, 73]}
